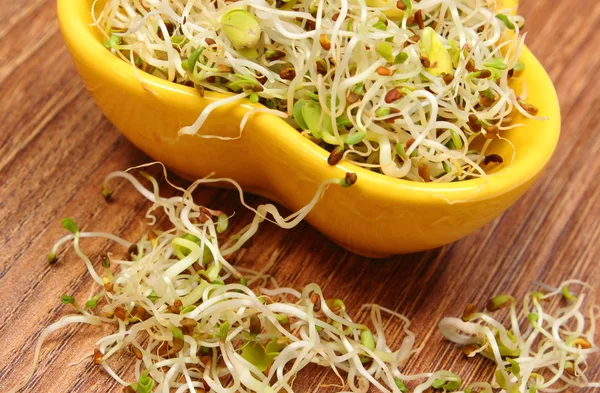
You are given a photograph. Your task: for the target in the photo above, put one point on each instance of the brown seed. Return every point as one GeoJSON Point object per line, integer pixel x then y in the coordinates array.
{"type": "Point", "coordinates": [492, 158]}
{"type": "Point", "coordinates": [424, 173]}
{"type": "Point", "coordinates": [133, 249]}
{"type": "Point", "coordinates": [409, 143]}
{"type": "Point", "coordinates": [205, 277]}
{"type": "Point", "coordinates": [188, 322]}
{"type": "Point", "coordinates": [484, 74]}
{"type": "Point", "coordinates": [335, 16]}
{"type": "Point", "coordinates": [109, 287]}
{"type": "Point", "coordinates": [315, 299]}
{"type": "Point", "coordinates": [400, 5]}
{"type": "Point", "coordinates": [209, 41]}
{"type": "Point", "coordinates": [261, 78]}
{"type": "Point", "coordinates": [139, 312]}
{"type": "Point", "coordinates": [384, 71]}
{"type": "Point", "coordinates": [128, 389]}
{"type": "Point", "coordinates": [481, 28]}
{"type": "Point", "coordinates": [176, 307]}
{"type": "Point", "coordinates": [274, 54]}
{"type": "Point", "coordinates": [491, 132]}
{"type": "Point", "coordinates": [410, 21]}
{"type": "Point", "coordinates": [470, 66]}
{"type": "Point", "coordinates": [211, 79]}
{"type": "Point", "coordinates": [136, 351]}
{"type": "Point", "coordinates": [255, 325]}
{"type": "Point", "coordinates": [532, 110]}
{"type": "Point", "coordinates": [419, 19]}
{"type": "Point", "coordinates": [177, 345]}
{"type": "Point", "coordinates": [336, 155]}
{"type": "Point", "coordinates": [206, 360]}
{"type": "Point", "coordinates": [120, 313]}
{"type": "Point", "coordinates": [448, 78]}
{"type": "Point", "coordinates": [97, 356]}
{"type": "Point", "coordinates": [425, 61]}
{"type": "Point", "coordinates": [511, 73]}
{"type": "Point", "coordinates": [287, 73]}
{"type": "Point", "coordinates": [487, 102]}
{"type": "Point", "coordinates": [469, 310]}
{"type": "Point", "coordinates": [393, 95]}
{"type": "Point", "coordinates": [310, 25]}
{"type": "Point", "coordinates": [468, 349]}
{"type": "Point", "coordinates": [324, 41]}
{"type": "Point", "coordinates": [352, 98]}
{"type": "Point", "coordinates": [474, 123]}
{"type": "Point", "coordinates": [321, 66]}
{"type": "Point", "coordinates": [350, 178]}
{"type": "Point", "coordinates": [581, 343]}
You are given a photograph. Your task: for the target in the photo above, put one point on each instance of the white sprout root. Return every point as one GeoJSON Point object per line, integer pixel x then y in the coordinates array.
{"type": "Point", "coordinates": [194, 323]}
{"type": "Point", "coordinates": [404, 93]}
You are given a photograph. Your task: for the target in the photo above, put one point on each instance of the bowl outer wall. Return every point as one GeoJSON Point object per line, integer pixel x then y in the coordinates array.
{"type": "Point", "coordinates": [377, 216]}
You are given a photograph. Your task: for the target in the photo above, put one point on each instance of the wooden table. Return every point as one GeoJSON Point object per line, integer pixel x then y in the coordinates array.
{"type": "Point", "coordinates": [56, 147]}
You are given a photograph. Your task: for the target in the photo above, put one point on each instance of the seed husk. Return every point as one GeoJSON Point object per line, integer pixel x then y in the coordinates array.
{"type": "Point", "coordinates": [448, 78]}
{"type": "Point", "coordinates": [336, 155]}
{"type": "Point", "coordinates": [324, 41]}
{"type": "Point", "coordinates": [419, 19]}
{"type": "Point", "coordinates": [255, 325]}
{"type": "Point", "coordinates": [532, 110]}
{"type": "Point", "coordinates": [97, 359]}
{"type": "Point", "coordinates": [470, 309]}
{"type": "Point", "coordinates": [274, 54]}
{"type": "Point", "coordinates": [393, 95]}
{"type": "Point", "coordinates": [470, 66]}
{"type": "Point", "coordinates": [492, 158]}
{"type": "Point", "coordinates": [424, 173]}
{"type": "Point", "coordinates": [491, 132]}
{"type": "Point", "coordinates": [287, 73]}
{"type": "Point", "coordinates": [474, 123]}
{"type": "Point", "coordinates": [384, 71]}
{"type": "Point", "coordinates": [321, 66]}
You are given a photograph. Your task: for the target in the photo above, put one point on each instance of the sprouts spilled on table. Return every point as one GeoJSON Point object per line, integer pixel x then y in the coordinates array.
{"type": "Point", "coordinates": [400, 87]}
{"type": "Point", "coordinates": [192, 322]}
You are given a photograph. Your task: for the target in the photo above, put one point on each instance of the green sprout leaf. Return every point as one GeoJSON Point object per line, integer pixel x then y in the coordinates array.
{"type": "Point", "coordinates": [400, 385]}
{"type": "Point", "coordinates": [177, 333]}
{"type": "Point", "coordinates": [255, 354]}
{"type": "Point", "coordinates": [385, 49]}
{"type": "Point", "coordinates": [67, 299]}
{"type": "Point", "coordinates": [145, 384]}
{"type": "Point", "coordinates": [69, 225]}
{"type": "Point", "coordinates": [222, 223]}
{"type": "Point", "coordinates": [400, 58]}
{"type": "Point", "coordinates": [507, 22]}
{"type": "Point", "coordinates": [520, 66]}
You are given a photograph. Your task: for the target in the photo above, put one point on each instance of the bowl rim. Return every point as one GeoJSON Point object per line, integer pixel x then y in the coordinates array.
{"type": "Point", "coordinates": [73, 26]}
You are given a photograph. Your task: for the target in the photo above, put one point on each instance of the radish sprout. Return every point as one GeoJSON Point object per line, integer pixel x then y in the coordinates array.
{"type": "Point", "coordinates": [403, 88]}
{"type": "Point", "coordinates": [192, 322]}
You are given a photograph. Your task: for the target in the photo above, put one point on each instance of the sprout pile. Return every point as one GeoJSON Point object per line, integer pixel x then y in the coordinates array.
{"type": "Point", "coordinates": [539, 350]}
{"type": "Point", "coordinates": [404, 88]}
{"type": "Point", "coordinates": [192, 322]}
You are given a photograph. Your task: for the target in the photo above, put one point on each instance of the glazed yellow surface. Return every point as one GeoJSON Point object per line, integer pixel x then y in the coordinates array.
{"type": "Point", "coordinates": [377, 216]}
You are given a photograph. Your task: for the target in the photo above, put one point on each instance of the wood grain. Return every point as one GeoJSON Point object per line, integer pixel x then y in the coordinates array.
{"type": "Point", "coordinates": [56, 147]}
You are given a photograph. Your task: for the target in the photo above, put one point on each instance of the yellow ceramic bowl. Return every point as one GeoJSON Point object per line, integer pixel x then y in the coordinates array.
{"type": "Point", "coordinates": [377, 216]}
